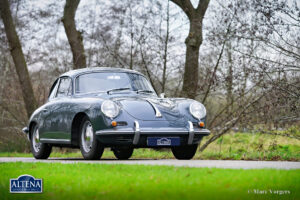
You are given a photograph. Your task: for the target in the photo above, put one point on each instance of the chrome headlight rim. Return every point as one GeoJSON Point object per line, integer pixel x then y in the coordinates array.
{"type": "Point", "coordinates": [110, 115]}
{"type": "Point", "coordinates": [195, 115]}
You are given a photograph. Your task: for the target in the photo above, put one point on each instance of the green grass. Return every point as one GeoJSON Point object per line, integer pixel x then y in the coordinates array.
{"type": "Point", "coordinates": [247, 146]}
{"type": "Point", "coordinates": [234, 146]}
{"type": "Point", "coordinates": [99, 181]}
{"type": "Point", "coordinates": [138, 153]}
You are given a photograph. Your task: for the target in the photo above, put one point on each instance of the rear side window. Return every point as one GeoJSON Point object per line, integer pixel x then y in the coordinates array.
{"type": "Point", "coordinates": [65, 87]}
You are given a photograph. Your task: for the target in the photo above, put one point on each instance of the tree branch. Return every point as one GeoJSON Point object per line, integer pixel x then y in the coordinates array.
{"type": "Point", "coordinates": [186, 6]}
{"type": "Point", "coordinates": [202, 7]}
{"type": "Point", "coordinates": [229, 124]}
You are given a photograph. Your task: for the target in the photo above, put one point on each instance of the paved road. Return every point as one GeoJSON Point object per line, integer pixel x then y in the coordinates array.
{"type": "Point", "coordinates": [229, 164]}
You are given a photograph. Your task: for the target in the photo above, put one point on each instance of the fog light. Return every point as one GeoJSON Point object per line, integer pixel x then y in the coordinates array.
{"type": "Point", "coordinates": [201, 124]}
{"type": "Point", "coordinates": [114, 123]}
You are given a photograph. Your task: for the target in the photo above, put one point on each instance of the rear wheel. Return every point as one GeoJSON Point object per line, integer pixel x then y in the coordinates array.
{"type": "Point", "coordinates": [38, 149]}
{"type": "Point", "coordinates": [91, 148]}
{"type": "Point", "coordinates": [123, 153]}
{"type": "Point", "coordinates": [186, 152]}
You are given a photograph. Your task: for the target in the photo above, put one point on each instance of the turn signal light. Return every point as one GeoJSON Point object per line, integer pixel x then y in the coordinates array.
{"type": "Point", "coordinates": [201, 124]}
{"type": "Point", "coordinates": [114, 123]}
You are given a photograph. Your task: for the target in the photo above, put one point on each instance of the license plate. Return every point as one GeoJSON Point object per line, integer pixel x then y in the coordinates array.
{"type": "Point", "coordinates": [163, 141]}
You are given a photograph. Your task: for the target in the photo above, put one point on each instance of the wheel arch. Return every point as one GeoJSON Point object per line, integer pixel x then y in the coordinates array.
{"type": "Point", "coordinates": [31, 125]}
{"type": "Point", "coordinates": [75, 128]}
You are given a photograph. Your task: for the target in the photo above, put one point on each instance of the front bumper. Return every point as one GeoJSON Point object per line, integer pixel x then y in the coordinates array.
{"type": "Point", "coordinates": [137, 135]}
{"type": "Point", "coordinates": [25, 130]}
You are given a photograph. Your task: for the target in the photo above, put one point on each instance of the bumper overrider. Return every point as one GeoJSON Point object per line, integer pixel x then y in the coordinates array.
{"type": "Point", "coordinates": [137, 135]}
{"type": "Point", "coordinates": [25, 130]}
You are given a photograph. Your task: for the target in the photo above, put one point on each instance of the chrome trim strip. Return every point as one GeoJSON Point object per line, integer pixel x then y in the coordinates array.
{"type": "Point", "coordinates": [104, 132]}
{"type": "Point", "coordinates": [160, 131]}
{"type": "Point", "coordinates": [175, 131]}
{"type": "Point", "coordinates": [136, 137]}
{"type": "Point", "coordinates": [54, 140]}
{"type": "Point", "coordinates": [191, 132]}
{"type": "Point", "coordinates": [157, 112]}
{"type": "Point", "coordinates": [109, 132]}
{"type": "Point", "coordinates": [204, 131]}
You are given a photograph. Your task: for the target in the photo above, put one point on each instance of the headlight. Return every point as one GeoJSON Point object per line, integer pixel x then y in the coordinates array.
{"type": "Point", "coordinates": [110, 109]}
{"type": "Point", "coordinates": [197, 110]}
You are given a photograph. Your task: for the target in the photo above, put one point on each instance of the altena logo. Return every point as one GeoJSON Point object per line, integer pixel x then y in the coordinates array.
{"type": "Point", "coordinates": [26, 184]}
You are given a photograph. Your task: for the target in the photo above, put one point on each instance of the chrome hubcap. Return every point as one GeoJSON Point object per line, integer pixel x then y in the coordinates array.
{"type": "Point", "coordinates": [36, 140]}
{"type": "Point", "coordinates": [87, 136]}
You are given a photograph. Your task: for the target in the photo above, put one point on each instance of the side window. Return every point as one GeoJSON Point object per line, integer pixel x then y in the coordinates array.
{"type": "Point", "coordinates": [65, 87]}
{"type": "Point", "coordinates": [53, 89]}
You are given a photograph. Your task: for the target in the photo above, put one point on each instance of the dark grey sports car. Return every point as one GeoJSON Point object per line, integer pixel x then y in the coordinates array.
{"type": "Point", "coordinates": [94, 108]}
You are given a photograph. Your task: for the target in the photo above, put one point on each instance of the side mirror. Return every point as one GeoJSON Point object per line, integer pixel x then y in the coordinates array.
{"type": "Point", "coordinates": [162, 95]}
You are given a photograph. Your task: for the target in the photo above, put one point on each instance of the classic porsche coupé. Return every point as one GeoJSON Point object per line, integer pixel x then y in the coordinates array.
{"type": "Point", "coordinates": [95, 108]}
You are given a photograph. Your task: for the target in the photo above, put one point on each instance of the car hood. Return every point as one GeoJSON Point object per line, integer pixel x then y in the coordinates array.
{"type": "Point", "coordinates": [146, 108]}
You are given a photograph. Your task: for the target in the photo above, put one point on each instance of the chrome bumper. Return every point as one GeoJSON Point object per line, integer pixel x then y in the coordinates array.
{"type": "Point", "coordinates": [25, 130]}
{"type": "Point", "coordinates": [137, 131]}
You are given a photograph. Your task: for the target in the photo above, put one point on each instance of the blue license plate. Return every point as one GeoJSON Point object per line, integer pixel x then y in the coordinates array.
{"type": "Point", "coordinates": [163, 141]}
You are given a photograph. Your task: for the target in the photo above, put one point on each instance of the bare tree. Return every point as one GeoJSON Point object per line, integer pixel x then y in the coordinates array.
{"type": "Point", "coordinates": [18, 58]}
{"type": "Point", "coordinates": [193, 43]}
{"type": "Point", "coordinates": [74, 36]}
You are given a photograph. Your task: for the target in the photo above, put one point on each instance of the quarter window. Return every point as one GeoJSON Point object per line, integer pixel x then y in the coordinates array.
{"type": "Point", "coordinates": [65, 87]}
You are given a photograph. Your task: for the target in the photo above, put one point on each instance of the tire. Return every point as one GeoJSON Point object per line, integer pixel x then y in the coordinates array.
{"type": "Point", "coordinates": [90, 147]}
{"type": "Point", "coordinates": [123, 153]}
{"type": "Point", "coordinates": [186, 152]}
{"type": "Point", "coordinates": [39, 150]}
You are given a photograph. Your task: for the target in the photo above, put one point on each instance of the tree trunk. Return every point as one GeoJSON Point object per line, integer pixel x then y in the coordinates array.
{"type": "Point", "coordinates": [191, 68]}
{"type": "Point", "coordinates": [165, 56]}
{"type": "Point", "coordinates": [18, 58]}
{"type": "Point", "coordinates": [74, 36]}
{"type": "Point", "coordinates": [229, 78]}
{"type": "Point", "coordinates": [193, 42]}
{"type": "Point", "coordinates": [131, 37]}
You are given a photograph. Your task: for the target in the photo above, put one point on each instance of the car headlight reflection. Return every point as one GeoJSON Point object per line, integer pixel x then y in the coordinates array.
{"type": "Point", "coordinates": [197, 110]}
{"type": "Point", "coordinates": [110, 108]}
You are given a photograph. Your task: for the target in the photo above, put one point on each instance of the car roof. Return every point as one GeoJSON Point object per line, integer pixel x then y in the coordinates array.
{"type": "Point", "coordinates": [74, 73]}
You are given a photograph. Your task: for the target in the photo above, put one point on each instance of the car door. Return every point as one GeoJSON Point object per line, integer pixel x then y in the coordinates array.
{"type": "Point", "coordinates": [57, 113]}
{"type": "Point", "coordinates": [44, 119]}
{"type": "Point", "coordinates": [63, 112]}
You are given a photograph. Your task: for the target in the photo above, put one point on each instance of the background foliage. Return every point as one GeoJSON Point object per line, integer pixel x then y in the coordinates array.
{"type": "Point", "coordinates": [249, 60]}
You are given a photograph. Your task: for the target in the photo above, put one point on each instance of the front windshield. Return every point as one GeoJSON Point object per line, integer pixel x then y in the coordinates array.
{"type": "Point", "coordinates": [104, 81]}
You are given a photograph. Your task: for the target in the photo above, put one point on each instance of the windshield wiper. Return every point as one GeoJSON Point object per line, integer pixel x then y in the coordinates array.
{"type": "Point", "coordinates": [145, 91]}
{"type": "Point", "coordinates": [117, 89]}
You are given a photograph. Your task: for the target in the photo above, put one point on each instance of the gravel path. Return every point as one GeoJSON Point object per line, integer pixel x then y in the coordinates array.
{"type": "Point", "coordinates": [228, 164]}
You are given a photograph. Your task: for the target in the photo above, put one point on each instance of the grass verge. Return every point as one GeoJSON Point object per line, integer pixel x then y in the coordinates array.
{"type": "Point", "coordinates": [96, 181]}
{"type": "Point", "coordinates": [234, 146]}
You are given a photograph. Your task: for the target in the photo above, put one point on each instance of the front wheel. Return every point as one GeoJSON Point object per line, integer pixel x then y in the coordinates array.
{"type": "Point", "coordinates": [186, 152]}
{"type": "Point", "coordinates": [38, 149]}
{"type": "Point", "coordinates": [90, 147]}
{"type": "Point", "coordinates": [123, 153]}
